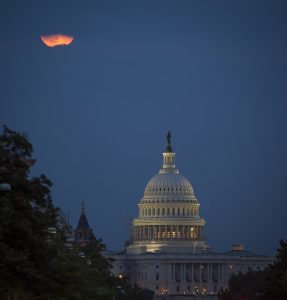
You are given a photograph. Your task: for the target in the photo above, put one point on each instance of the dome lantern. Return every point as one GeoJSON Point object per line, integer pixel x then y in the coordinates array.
{"type": "Point", "coordinates": [168, 158]}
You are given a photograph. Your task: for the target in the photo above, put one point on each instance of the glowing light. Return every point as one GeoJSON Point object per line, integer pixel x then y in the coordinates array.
{"type": "Point", "coordinates": [57, 40]}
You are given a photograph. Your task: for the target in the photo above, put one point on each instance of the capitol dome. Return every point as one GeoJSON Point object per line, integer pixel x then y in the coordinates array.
{"type": "Point", "coordinates": [168, 217]}
{"type": "Point", "coordinates": [169, 184]}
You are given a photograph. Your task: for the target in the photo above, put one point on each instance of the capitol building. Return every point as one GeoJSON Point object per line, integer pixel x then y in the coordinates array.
{"type": "Point", "coordinates": [167, 251]}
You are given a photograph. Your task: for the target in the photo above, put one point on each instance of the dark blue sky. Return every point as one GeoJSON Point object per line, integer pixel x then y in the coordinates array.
{"type": "Point", "coordinates": [97, 111]}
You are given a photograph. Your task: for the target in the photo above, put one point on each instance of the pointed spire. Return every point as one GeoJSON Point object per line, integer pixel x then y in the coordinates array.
{"type": "Point", "coordinates": [83, 231]}
{"type": "Point", "coordinates": [83, 222]}
{"type": "Point", "coordinates": [168, 146]}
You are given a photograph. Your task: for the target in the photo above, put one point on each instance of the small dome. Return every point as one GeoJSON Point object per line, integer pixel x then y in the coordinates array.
{"type": "Point", "coordinates": [169, 184]}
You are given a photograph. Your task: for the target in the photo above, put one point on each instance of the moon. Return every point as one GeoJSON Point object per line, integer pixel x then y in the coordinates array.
{"type": "Point", "coordinates": [55, 40]}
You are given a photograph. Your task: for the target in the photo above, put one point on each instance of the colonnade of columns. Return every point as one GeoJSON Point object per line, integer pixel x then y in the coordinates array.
{"type": "Point", "coordinates": [150, 211]}
{"type": "Point", "coordinates": [168, 232]}
{"type": "Point", "coordinates": [196, 272]}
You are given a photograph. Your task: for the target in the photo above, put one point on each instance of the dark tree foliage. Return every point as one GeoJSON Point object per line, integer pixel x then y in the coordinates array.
{"type": "Point", "coordinates": [26, 213]}
{"type": "Point", "coordinates": [276, 276]}
{"type": "Point", "coordinates": [36, 260]}
{"type": "Point", "coordinates": [269, 284]}
{"type": "Point", "coordinates": [126, 291]}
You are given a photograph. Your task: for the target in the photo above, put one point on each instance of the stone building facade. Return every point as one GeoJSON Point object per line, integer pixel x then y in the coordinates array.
{"type": "Point", "coordinates": [168, 252]}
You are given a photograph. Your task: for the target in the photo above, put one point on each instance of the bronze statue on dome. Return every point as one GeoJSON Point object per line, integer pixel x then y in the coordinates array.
{"type": "Point", "coordinates": [168, 146]}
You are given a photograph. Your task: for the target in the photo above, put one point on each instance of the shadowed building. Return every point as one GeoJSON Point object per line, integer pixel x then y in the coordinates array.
{"type": "Point", "coordinates": [83, 232]}
{"type": "Point", "coordinates": [168, 252]}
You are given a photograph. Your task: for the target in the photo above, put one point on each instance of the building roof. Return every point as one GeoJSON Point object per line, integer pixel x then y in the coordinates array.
{"type": "Point", "coordinates": [83, 222]}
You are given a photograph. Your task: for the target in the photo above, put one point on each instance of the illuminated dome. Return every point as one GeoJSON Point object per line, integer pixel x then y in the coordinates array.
{"type": "Point", "coordinates": [170, 185]}
{"type": "Point", "coordinates": [168, 219]}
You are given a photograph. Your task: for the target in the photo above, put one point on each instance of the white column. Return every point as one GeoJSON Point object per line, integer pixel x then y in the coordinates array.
{"type": "Point", "coordinates": [192, 275]}
{"type": "Point", "coordinates": [165, 230]}
{"type": "Point", "coordinates": [184, 273]}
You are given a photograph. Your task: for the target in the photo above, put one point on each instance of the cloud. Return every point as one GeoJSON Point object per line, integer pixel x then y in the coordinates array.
{"type": "Point", "coordinates": [54, 40]}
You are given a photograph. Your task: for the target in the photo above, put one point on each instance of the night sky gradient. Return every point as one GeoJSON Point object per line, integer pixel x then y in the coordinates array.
{"type": "Point", "coordinates": [97, 111]}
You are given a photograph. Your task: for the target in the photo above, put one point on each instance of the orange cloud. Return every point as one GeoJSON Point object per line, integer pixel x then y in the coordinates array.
{"type": "Point", "coordinates": [54, 40]}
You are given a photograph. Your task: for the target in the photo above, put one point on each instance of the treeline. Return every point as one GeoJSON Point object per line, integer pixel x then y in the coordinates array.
{"type": "Point", "coordinates": [36, 259]}
{"type": "Point", "coordinates": [269, 284]}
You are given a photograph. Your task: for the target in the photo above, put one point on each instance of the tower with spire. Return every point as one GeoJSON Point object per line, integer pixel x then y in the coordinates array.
{"type": "Point", "coordinates": [83, 232]}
